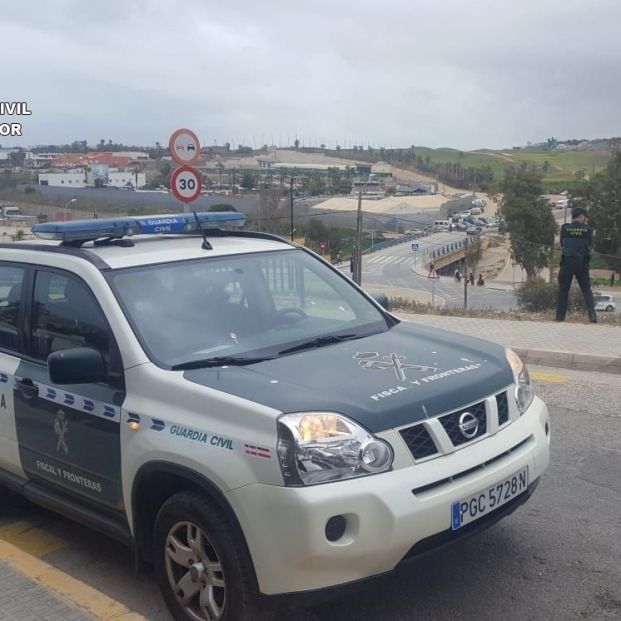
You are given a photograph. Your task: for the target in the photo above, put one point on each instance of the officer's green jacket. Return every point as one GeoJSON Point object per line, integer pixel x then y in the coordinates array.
{"type": "Point", "coordinates": [576, 240]}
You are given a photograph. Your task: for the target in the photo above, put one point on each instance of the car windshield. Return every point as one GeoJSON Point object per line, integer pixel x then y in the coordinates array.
{"type": "Point", "coordinates": [241, 307]}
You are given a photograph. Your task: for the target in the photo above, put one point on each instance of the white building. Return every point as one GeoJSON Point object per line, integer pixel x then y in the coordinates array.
{"type": "Point", "coordinates": [64, 179]}
{"type": "Point", "coordinates": [79, 179]}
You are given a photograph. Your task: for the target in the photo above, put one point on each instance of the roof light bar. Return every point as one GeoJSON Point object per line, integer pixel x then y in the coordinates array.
{"type": "Point", "coordinates": [115, 228]}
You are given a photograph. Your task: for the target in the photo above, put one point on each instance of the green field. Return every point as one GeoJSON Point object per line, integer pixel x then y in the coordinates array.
{"type": "Point", "coordinates": [562, 164]}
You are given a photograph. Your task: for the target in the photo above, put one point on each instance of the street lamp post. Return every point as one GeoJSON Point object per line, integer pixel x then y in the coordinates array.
{"type": "Point", "coordinates": [291, 205]}
{"type": "Point", "coordinates": [73, 200]}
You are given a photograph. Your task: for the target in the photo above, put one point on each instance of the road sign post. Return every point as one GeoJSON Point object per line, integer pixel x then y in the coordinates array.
{"type": "Point", "coordinates": [185, 181]}
{"type": "Point", "coordinates": [185, 184]}
{"type": "Point", "coordinates": [433, 275]}
{"type": "Point", "coordinates": [184, 147]}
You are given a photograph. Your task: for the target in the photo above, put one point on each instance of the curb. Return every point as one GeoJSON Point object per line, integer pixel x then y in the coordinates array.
{"type": "Point", "coordinates": [570, 360]}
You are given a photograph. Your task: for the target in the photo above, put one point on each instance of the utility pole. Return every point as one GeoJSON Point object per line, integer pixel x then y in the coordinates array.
{"type": "Point", "coordinates": [466, 274]}
{"type": "Point", "coordinates": [291, 197]}
{"type": "Point", "coordinates": [357, 271]}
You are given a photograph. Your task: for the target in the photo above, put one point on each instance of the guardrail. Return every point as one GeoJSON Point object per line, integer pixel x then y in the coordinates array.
{"type": "Point", "coordinates": [396, 241]}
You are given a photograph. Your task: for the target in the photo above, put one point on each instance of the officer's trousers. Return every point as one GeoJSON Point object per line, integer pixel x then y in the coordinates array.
{"type": "Point", "coordinates": [570, 267]}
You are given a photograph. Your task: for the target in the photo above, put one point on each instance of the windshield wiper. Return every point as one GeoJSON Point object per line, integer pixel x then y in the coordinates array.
{"type": "Point", "coordinates": [219, 361]}
{"type": "Point", "coordinates": [320, 341]}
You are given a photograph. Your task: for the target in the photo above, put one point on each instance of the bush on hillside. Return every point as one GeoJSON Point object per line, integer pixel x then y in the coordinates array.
{"type": "Point", "coordinates": [537, 295]}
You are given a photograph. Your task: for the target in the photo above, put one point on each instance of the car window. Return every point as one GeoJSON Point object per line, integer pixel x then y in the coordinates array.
{"type": "Point", "coordinates": [293, 286]}
{"type": "Point", "coordinates": [239, 305]}
{"type": "Point", "coordinates": [11, 280]}
{"type": "Point", "coordinates": [65, 315]}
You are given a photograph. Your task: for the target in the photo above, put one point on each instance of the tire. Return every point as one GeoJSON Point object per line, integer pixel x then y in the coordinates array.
{"type": "Point", "coordinates": [191, 532]}
{"type": "Point", "coordinates": [609, 309]}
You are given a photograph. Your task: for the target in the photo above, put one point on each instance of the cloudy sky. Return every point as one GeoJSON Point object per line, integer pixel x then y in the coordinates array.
{"type": "Point", "coordinates": [482, 73]}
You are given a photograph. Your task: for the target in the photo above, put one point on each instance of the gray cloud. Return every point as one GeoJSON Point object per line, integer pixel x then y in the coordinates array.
{"type": "Point", "coordinates": [438, 73]}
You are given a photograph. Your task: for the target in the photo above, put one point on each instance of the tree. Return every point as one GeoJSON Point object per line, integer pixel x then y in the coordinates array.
{"type": "Point", "coordinates": [248, 180]}
{"type": "Point", "coordinates": [603, 194]}
{"type": "Point", "coordinates": [221, 207]}
{"type": "Point", "coordinates": [296, 143]}
{"type": "Point", "coordinates": [529, 220]}
{"type": "Point", "coordinates": [546, 167]}
{"type": "Point", "coordinates": [270, 218]}
{"type": "Point", "coordinates": [317, 230]}
{"type": "Point", "coordinates": [17, 158]}
{"type": "Point", "coordinates": [316, 186]}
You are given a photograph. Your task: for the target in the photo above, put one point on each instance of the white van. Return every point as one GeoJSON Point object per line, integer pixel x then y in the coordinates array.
{"type": "Point", "coordinates": [441, 225]}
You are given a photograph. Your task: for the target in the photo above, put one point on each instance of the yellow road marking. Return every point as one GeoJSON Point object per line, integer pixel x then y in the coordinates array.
{"type": "Point", "coordinates": [83, 595]}
{"type": "Point", "coordinates": [31, 539]}
{"type": "Point", "coordinates": [549, 377]}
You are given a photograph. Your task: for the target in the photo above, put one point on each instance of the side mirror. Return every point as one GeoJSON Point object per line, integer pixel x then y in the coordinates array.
{"type": "Point", "coordinates": [81, 365]}
{"type": "Point", "coordinates": [382, 300]}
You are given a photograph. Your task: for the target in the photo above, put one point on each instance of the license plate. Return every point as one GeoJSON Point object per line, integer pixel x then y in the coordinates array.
{"type": "Point", "coordinates": [472, 508]}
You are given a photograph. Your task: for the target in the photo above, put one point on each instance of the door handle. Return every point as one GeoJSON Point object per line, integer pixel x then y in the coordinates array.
{"type": "Point", "coordinates": [27, 387]}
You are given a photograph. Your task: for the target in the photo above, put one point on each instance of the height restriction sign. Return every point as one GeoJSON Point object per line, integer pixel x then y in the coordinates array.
{"type": "Point", "coordinates": [184, 147]}
{"type": "Point", "coordinates": [185, 184]}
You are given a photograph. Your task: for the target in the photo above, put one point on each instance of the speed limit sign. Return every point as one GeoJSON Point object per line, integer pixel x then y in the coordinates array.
{"type": "Point", "coordinates": [184, 147]}
{"type": "Point", "coordinates": [185, 184]}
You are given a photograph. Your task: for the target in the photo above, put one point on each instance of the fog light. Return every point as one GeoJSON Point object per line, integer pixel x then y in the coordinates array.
{"type": "Point", "coordinates": [335, 527]}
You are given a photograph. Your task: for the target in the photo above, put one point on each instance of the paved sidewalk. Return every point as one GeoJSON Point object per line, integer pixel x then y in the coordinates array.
{"type": "Point", "coordinates": [22, 599]}
{"type": "Point", "coordinates": [566, 345]}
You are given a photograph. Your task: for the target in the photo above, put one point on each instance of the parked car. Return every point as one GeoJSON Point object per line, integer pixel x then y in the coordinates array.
{"type": "Point", "coordinates": [253, 436]}
{"type": "Point", "coordinates": [604, 302]}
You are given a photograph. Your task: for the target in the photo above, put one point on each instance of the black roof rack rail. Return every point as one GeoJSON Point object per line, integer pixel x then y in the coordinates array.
{"type": "Point", "coordinates": [80, 253]}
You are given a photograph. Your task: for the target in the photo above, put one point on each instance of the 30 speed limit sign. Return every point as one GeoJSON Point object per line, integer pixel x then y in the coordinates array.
{"type": "Point", "coordinates": [185, 184]}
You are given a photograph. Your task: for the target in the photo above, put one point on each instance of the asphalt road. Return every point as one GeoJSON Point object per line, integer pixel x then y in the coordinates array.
{"type": "Point", "coordinates": [557, 557]}
{"type": "Point", "coordinates": [391, 269]}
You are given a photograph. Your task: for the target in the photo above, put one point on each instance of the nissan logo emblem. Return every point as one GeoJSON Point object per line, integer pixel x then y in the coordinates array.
{"type": "Point", "coordinates": [468, 425]}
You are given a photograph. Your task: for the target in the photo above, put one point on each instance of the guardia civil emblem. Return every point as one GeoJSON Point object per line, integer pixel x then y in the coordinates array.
{"type": "Point", "coordinates": [61, 426]}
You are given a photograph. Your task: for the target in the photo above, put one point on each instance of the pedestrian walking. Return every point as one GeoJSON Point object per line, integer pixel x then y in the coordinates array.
{"type": "Point", "coordinates": [480, 281]}
{"type": "Point", "coordinates": [576, 243]}
{"type": "Point", "coordinates": [612, 279]}
{"type": "Point", "coordinates": [457, 276]}
{"type": "Point", "coordinates": [472, 278]}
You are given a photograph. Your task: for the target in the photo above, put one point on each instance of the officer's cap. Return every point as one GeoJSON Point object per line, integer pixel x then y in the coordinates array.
{"type": "Point", "coordinates": [579, 211]}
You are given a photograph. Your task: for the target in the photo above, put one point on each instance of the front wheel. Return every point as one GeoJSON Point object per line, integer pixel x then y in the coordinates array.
{"type": "Point", "coordinates": [199, 563]}
{"type": "Point", "coordinates": [609, 309]}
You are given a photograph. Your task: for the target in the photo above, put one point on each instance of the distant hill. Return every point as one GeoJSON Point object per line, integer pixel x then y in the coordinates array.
{"type": "Point", "coordinates": [557, 166]}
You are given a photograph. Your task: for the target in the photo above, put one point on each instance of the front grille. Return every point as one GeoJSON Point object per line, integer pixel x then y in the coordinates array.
{"type": "Point", "coordinates": [463, 473]}
{"type": "Point", "coordinates": [503, 408]}
{"type": "Point", "coordinates": [419, 441]}
{"type": "Point", "coordinates": [451, 423]}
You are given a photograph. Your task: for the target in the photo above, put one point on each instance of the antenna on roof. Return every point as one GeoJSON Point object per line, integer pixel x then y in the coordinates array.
{"type": "Point", "coordinates": [206, 245]}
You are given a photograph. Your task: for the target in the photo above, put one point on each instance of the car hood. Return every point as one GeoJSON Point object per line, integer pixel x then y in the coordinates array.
{"type": "Point", "coordinates": [403, 375]}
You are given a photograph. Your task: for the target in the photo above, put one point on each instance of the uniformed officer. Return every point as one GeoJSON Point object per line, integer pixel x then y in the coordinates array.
{"type": "Point", "coordinates": [576, 242]}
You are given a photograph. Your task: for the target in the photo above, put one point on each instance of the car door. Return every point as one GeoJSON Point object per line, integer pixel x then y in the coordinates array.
{"type": "Point", "coordinates": [12, 277]}
{"type": "Point", "coordinates": [69, 436]}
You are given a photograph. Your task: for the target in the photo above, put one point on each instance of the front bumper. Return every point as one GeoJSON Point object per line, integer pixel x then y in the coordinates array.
{"type": "Point", "coordinates": [285, 527]}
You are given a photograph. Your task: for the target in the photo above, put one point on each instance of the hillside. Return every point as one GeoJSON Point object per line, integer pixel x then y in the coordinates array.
{"type": "Point", "coordinates": [562, 165]}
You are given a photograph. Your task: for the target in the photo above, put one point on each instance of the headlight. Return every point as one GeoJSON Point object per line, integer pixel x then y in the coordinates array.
{"type": "Point", "coordinates": [524, 390]}
{"type": "Point", "coordinates": [317, 447]}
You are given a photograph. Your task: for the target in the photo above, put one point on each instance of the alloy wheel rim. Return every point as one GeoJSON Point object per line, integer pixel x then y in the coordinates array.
{"type": "Point", "coordinates": [195, 573]}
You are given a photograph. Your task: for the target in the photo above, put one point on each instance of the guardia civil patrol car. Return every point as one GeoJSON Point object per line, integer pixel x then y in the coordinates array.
{"type": "Point", "coordinates": [244, 416]}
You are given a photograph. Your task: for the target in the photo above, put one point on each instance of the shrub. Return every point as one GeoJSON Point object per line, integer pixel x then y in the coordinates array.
{"type": "Point", "coordinates": [536, 295]}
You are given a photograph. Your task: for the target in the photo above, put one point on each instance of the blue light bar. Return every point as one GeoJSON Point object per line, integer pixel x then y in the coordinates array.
{"type": "Point", "coordinates": [114, 228]}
